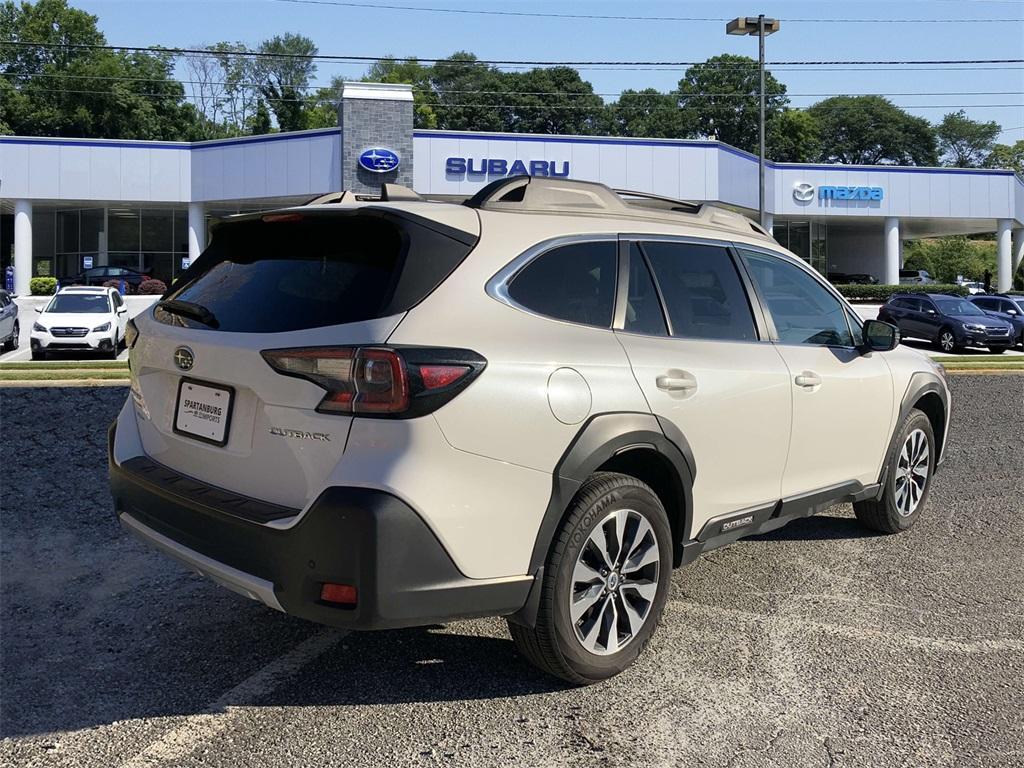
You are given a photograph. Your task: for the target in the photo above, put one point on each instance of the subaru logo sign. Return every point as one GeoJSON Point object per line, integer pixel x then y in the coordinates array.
{"type": "Point", "coordinates": [379, 159]}
{"type": "Point", "coordinates": [803, 192]}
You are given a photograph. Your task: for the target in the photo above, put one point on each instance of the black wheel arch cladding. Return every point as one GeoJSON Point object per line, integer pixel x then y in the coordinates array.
{"type": "Point", "coordinates": [604, 441]}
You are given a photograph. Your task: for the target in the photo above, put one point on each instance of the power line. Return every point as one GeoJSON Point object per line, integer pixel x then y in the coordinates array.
{"type": "Point", "coordinates": [339, 57]}
{"type": "Point", "coordinates": [253, 85]}
{"type": "Point", "coordinates": [603, 17]}
{"type": "Point", "coordinates": [490, 105]}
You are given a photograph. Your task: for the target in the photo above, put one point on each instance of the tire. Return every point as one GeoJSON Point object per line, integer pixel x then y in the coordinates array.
{"type": "Point", "coordinates": [15, 337]}
{"type": "Point", "coordinates": [582, 651]}
{"type": "Point", "coordinates": [946, 341]}
{"type": "Point", "coordinates": [997, 350]}
{"type": "Point", "coordinates": [38, 354]}
{"type": "Point", "coordinates": [906, 492]}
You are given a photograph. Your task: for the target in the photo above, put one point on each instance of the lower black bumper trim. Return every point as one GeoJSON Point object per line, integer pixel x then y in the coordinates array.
{"type": "Point", "coordinates": [362, 537]}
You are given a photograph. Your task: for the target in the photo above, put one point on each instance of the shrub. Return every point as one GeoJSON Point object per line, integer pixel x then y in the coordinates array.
{"type": "Point", "coordinates": [152, 287]}
{"type": "Point", "coordinates": [117, 284]}
{"type": "Point", "coordinates": [42, 286]}
{"type": "Point", "coordinates": [881, 293]}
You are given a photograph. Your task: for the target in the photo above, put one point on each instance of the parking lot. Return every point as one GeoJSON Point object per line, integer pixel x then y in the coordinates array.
{"type": "Point", "coordinates": [815, 645]}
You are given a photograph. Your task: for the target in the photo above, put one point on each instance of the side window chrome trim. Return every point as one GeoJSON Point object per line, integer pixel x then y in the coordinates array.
{"type": "Point", "coordinates": [498, 286]}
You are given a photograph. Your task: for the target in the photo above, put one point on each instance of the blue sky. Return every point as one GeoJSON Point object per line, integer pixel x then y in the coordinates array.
{"type": "Point", "coordinates": [365, 31]}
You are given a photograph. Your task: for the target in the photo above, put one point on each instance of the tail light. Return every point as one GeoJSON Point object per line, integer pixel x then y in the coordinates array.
{"type": "Point", "coordinates": [395, 382]}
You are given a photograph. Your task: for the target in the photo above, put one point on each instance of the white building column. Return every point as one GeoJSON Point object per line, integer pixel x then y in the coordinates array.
{"type": "Point", "coordinates": [22, 246]}
{"type": "Point", "coordinates": [769, 223]}
{"type": "Point", "coordinates": [892, 251]}
{"type": "Point", "coordinates": [1016, 249]}
{"type": "Point", "coordinates": [196, 229]}
{"type": "Point", "coordinates": [1004, 271]}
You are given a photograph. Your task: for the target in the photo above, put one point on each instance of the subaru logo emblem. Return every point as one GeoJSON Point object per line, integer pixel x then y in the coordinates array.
{"type": "Point", "coordinates": [379, 160]}
{"type": "Point", "coordinates": [184, 359]}
{"type": "Point", "coordinates": [803, 192]}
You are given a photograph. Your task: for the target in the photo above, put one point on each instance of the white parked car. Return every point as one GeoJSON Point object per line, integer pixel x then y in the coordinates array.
{"type": "Point", "coordinates": [395, 412]}
{"type": "Point", "coordinates": [82, 319]}
{"type": "Point", "coordinates": [974, 288]}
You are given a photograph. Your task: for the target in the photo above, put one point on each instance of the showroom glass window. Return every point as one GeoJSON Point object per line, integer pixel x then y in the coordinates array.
{"type": "Point", "coordinates": [803, 310]}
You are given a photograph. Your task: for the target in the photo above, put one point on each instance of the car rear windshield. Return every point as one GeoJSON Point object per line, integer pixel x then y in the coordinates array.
{"type": "Point", "coordinates": [288, 272]}
{"type": "Point", "coordinates": [79, 303]}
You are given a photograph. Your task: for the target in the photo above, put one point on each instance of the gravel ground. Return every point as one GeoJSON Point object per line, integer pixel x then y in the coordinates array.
{"type": "Point", "coordinates": [815, 645]}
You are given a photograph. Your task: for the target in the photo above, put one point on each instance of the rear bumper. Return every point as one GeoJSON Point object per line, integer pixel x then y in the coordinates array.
{"type": "Point", "coordinates": [356, 536]}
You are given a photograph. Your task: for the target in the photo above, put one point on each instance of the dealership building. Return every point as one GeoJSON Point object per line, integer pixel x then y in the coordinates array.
{"type": "Point", "coordinates": [69, 204]}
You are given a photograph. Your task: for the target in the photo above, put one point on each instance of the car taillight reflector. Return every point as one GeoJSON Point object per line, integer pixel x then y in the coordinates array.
{"type": "Point", "coordinates": [343, 594]}
{"type": "Point", "coordinates": [437, 376]}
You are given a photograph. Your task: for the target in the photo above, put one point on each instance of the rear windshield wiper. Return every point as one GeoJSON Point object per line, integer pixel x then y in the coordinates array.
{"type": "Point", "coordinates": [189, 309]}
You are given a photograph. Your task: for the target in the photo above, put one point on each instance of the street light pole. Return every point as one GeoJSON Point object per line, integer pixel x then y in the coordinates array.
{"type": "Point", "coordinates": [760, 153]}
{"type": "Point", "coordinates": [762, 27]}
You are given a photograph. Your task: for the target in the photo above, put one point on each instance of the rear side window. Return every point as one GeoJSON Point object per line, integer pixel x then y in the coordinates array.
{"type": "Point", "coordinates": [703, 294]}
{"type": "Point", "coordinates": [573, 282]}
{"type": "Point", "coordinates": [303, 271]}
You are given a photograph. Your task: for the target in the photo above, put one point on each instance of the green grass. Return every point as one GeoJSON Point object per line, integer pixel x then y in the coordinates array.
{"type": "Point", "coordinates": [63, 365]}
{"type": "Point", "coordinates": [67, 374]}
{"type": "Point", "coordinates": [977, 359]}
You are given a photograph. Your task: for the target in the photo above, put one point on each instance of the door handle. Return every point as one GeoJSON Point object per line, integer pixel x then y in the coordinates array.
{"type": "Point", "coordinates": [676, 381]}
{"type": "Point", "coordinates": [807, 379]}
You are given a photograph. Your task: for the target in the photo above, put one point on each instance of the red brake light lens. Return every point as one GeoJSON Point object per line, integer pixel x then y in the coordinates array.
{"type": "Point", "coordinates": [404, 382]}
{"type": "Point", "coordinates": [357, 379]}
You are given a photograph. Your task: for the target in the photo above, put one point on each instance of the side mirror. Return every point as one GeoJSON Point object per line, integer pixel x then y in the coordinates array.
{"type": "Point", "coordinates": [1012, 312]}
{"type": "Point", "coordinates": [122, 310]}
{"type": "Point", "coordinates": [880, 337]}
{"type": "Point", "coordinates": [39, 310]}
{"type": "Point", "coordinates": [930, 311]}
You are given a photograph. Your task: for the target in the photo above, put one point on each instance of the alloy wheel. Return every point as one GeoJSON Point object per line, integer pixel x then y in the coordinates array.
{"type": "Point", "coordinates": [614, 582]}
{"type": "Point", "coordinates": [911, 473]}
{"type": "Point", "coordinates": [946, 341]}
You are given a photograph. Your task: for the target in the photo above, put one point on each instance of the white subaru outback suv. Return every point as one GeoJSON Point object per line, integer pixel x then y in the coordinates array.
{"type": "Point", "coordinates": [393, 412]}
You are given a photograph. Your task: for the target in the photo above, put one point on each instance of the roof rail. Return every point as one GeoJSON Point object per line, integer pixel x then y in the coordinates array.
{"type": "Point", "coordinates": [389, 193]}
{"type": "Point", "coordinates": [543, 194]}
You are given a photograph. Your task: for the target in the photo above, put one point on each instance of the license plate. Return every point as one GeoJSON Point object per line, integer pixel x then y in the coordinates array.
{"type": "Point", "coordinates": [203, 411]}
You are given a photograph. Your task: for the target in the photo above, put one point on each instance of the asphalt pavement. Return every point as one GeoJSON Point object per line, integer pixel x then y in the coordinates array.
{"type": "Point", "coordinates": [816, 645]}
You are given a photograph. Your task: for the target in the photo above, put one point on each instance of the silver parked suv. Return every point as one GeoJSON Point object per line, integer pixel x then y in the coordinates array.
{"type": "Point", "coordinates": [383, 413]}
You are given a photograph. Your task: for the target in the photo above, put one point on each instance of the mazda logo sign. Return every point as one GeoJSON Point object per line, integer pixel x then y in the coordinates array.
{"type": "Point", "coordinates": [184, 359]}
{"type": "Point", "coordinates": [803, 192]}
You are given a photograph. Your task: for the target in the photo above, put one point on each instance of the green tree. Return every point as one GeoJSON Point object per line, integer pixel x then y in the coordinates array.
{"type": "Point", "coordinates": [965, 143]}
{"type": "Point", "coordinates": [284, 70]}
{"type": "Point", "coordinates": [552, 100]}
{"type": "Point", "coordinates": [470, 96]}
{"type": "Point", "coordinates": [1007, 156]}
{"type": "Point", "coordinates": [948, 258]}
{"type": "Point", "coordinates": [721, 97]}
{"type": "Point", "coordinates": [72, 91]}
{"type": "Point", "coordinates": [794, 136]}
{"type": "Point", "coordinates": [391, 70]}
{"type": "Point", "coordinates": [649, 113]}
{"type": "Point", "coordinates": [259, 121]}
{"type": "Point", "coordinates": [872, 130]}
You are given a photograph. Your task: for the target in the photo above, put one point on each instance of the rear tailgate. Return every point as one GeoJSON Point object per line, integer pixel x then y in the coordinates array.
{"type": "Point", "coordinates": [277, 447]}
{"type": "Point", "coordinates": [210, 406]}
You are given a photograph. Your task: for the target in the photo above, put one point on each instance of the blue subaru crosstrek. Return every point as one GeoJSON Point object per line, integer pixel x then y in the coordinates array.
{"type": "Point", "coordinates": [1009, 309]}
{"type": "Point", "coordinates": [949, 322]}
